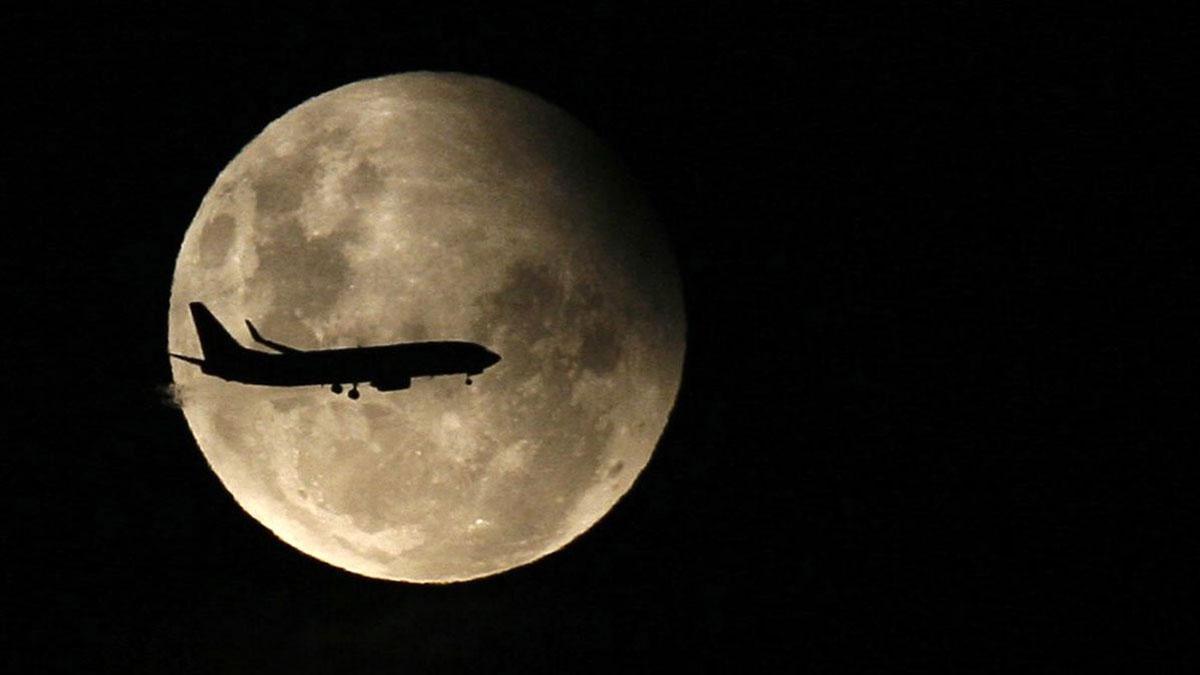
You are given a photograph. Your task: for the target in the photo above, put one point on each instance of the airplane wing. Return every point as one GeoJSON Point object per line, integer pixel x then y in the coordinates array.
{"type": "Point", "coordinates": [273, 345]}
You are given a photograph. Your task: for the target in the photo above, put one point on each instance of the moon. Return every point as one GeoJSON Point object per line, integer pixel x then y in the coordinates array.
{"type": "Point", "coordinates": [433, 206]}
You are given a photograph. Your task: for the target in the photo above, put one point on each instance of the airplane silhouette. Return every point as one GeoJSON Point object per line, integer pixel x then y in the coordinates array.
{"type": "Point", "coordinates": [385, 367]}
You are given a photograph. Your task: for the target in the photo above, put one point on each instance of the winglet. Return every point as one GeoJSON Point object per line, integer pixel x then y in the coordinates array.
{"type": "Point", "coordinates": [253, 331]}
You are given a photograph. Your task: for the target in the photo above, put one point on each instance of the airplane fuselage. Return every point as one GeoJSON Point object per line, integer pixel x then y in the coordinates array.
{"type": "Point", "coordinates": [383, 364]}
{"type": "Point", "coordinates": [385, 367]}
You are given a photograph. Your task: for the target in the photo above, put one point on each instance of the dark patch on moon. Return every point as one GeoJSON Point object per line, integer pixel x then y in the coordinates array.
{"type": "Point", "coordinates": [228, 426]}
{"type": "Point", "coordinates": [282, 191]}
{"type": "Point", "coordinates": [602, 344]}
{"type": "Point", "coordinates": [282, 181]}
{"type": "Point", "coordinates": [216, 239]}
{"type": "Point", "coordinates": [601, 350]}
{"type": "Point", "coordinates": [543, 318]}
{"type": "Point", "coordinates": [281, 187]}
{"type": "Point", "coordinates": [306, 277]}
{"type": "Point", "coordinates": [615, 469]}
{"type": "Point", "coordinates": [529, 297]}
{"type": "Point", "coordinates": [364, 181]}
{"type": "Point", "coordinates": [336, 138]}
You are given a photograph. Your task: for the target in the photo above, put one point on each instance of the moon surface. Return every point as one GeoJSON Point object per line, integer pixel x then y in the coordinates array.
{"type": "Point", "coordinates": [433, 206]}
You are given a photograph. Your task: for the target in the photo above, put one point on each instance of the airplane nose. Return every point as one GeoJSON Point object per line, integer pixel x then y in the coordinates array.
{"type": "Point", "coordinates": [492, 357]}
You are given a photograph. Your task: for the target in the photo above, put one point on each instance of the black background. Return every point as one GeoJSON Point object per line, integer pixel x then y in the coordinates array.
{"type": "Point", "coordinates": [937, 400]}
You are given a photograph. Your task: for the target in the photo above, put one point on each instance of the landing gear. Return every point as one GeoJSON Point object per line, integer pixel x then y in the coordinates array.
{"type": "Point", "coordinates": [353, 394]}
{"type": "Point", "coordinates": [468, 379]}
{"type": "Point", "coordinates": [337, 389]}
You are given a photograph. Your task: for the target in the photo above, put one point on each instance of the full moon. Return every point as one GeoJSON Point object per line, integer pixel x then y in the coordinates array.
{"type": "Point", "coordinates": [433, 206]}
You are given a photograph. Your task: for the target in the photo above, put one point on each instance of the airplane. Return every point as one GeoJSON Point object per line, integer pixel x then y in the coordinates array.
{"type": "Point", "coordinates": [384, 367]}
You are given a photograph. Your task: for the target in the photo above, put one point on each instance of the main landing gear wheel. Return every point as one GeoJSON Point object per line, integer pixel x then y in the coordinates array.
{"type": "Point", "coordinates": [337, 389]}
{"type": "Point", "coordinates": [468, 380]}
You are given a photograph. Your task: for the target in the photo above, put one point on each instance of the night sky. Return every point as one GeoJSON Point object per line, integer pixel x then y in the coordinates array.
{"type": "Point", "coordinates": [937, 401]}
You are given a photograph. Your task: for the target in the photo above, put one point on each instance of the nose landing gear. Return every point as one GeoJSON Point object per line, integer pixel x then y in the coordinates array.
{"type": "Point", "coordinates": [353, 393]}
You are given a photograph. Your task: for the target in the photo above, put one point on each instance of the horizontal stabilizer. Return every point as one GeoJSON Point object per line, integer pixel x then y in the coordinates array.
{"type": "Point", "coordinates": [189, 359]}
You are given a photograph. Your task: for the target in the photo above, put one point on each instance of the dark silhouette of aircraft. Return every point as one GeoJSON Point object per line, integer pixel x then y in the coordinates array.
{"type": "Point", "coordinates": [385, 367]}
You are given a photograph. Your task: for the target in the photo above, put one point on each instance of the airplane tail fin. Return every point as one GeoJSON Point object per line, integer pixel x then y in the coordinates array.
{"type": "Point", "coordinates": [215, 342]}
